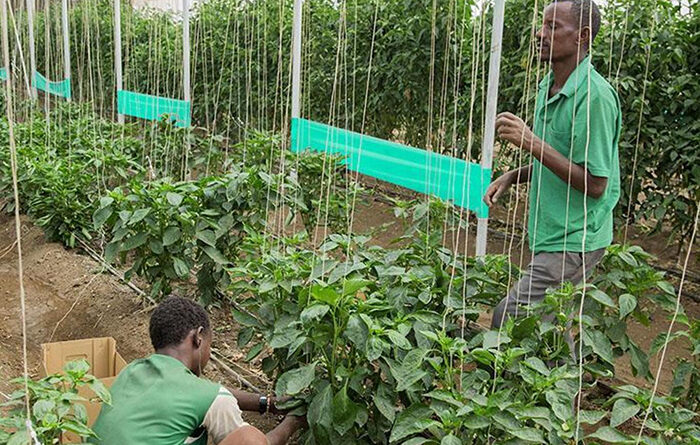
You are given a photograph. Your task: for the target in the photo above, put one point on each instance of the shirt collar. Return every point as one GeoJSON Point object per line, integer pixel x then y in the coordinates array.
{"type": "Point", "coordinates": [577, 77]}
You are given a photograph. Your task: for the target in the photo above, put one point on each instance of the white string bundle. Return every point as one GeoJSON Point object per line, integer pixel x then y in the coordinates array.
{"type": "Point", "coordinates": [9, 114]}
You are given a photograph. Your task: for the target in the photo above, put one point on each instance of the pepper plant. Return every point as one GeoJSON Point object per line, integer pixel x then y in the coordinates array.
{"type": "Point", "coordinates": [55, 406]}
{"type": "Point", "coordinates": [170, 228]}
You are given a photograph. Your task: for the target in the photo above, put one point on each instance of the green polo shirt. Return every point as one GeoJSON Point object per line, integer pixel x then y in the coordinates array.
{"type": "Point", "coordinates": [156, 401]}
{"type": "Point", "coordinates": [584, 125]}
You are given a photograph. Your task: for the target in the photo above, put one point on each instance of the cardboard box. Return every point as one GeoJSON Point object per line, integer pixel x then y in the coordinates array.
{"type": "Point", "coordinates": [105, 364]}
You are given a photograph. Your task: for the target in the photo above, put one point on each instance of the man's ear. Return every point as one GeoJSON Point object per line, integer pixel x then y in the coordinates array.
{"type": "Point", "coordinates": [198, 337]}
{"type": "Point", "coordinates": [584, 37]}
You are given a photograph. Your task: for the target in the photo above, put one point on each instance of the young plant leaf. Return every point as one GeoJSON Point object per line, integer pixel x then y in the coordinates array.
{"type": "Point", "coordinates": [324, 294]}
{"type": "Point", "coordinates": [414, 419]}
{"type": "Point", "coordinates": [295, 381]}
{"type": "Point", "coordinates": [628, 303]}
{"type": "Point", "coordinates": [623, 410]}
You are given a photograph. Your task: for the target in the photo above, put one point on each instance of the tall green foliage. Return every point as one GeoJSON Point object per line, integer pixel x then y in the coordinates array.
{"type": "Point", "coordinates": [663, 144]}
{"type": "Point", "coordinates": [241, 76]}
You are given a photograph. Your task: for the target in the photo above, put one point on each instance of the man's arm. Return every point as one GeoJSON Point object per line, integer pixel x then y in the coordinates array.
{"type": "Point", "coordinates": [521, 175]}
{"type": "Point", "coordinates": [224, 422]}
{"type": "Point", "coordinates": [249, 401]}
{"type": "Point", "coordinates": [514, 130]}
{"type": "Point", "coordinates": [576, 175]}
{"type": "Point", "coordinates": [500, 185]}
{"type": "Point", "coordinates": [250, 435]}
{"type": "Point", "coordinates": [281, 434]}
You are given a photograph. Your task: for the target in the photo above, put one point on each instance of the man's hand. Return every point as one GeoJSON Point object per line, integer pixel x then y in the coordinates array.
{"type": "Point", "coordinates": [497, 187]}
{"type": "Point", "coordinates": [286, 429]}
{"type": "Point", "coordinates": [278, 406]}
{"type": "Point", "coordinates": [514, 130]}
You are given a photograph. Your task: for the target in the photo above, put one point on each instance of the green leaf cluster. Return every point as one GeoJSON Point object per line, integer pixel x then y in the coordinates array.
{"type": "Point", "coordinates": [55, 406]}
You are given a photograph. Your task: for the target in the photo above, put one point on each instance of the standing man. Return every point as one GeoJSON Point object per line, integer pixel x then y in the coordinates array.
{"type": "Point", "coordinates": [574, 173]}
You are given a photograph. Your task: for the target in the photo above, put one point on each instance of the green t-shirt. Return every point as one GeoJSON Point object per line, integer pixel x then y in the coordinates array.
{"type": "Point", "coordinates": [556, 222]}
{"type": "Point", "coordinates": [156, 401]}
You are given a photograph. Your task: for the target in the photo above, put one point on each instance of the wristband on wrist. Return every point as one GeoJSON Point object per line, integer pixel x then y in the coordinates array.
{"type": "Point", "coordinates": [263, 405]}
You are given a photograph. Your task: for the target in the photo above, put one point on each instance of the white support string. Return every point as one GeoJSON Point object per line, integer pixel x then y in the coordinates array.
{"type": "Point", "coordinates": [579, 396]}
{"type": "Point", "coordinates": [9, 112]}
{"type": "Point", "coordinates": [532, 47]}
{"type": "Point", "coordinates": [475, 55]}
{"type": "Point", "coordinates": [356, 178]}
{"type": "Point", "coordinates": [429, 121]}
{"type": "Point", "coordinates": [20, 51]}
{"type": "Point", "coordinates": [676, 311]}
{"type": "Point", "coordinates": [66, 43]}
{"type": "Point", "coordinates": [47, 67]}
{"type": "Point", "coordinates": [186, 87]}
{"type": "Point", "coordinates": [639, 129]}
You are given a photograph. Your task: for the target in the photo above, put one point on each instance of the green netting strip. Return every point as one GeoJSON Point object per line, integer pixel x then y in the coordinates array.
{"type": "Point", "coordinates": [59, 88]}
{"type": "Point", "coordinates": [463, 183]}
{"type": "Point", "coordinates": [3, 73]}
{"type": "Point", "coordinates": [154, 108]}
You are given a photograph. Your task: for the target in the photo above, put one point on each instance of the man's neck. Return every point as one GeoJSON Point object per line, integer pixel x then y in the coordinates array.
{"type": "Point", "coordinates": [562, 69]}
{"type": "Point", "coordinates": [177, 354]}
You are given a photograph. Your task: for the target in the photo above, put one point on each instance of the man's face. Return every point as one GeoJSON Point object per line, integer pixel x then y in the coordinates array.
{"type": "Point", "coordinates": [559, 36]}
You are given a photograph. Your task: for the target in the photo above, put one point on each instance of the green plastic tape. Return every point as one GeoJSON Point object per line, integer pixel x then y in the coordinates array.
{"type": "Point", "coordinates": [59, 88]}
{"type": "Point", "coordinates": [463, 183]}
{"type": "Point", "coordinates": [3, 73]}
{"type": "Point", "coordinates": [146, 106]}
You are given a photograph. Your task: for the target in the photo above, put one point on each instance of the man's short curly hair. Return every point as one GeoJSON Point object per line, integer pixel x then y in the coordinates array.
{"type": "Point", "coordinates": [173, 319]}
{"type": "Point", "coordinates": [587, 12]}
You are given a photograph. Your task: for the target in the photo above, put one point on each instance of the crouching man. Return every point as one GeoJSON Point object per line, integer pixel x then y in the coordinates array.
{"type": "Point", "coordinates": [162, 400]}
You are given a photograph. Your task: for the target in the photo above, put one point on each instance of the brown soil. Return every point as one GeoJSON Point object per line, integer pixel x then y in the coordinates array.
{"type": "Point", "coordinates": [71, 294]}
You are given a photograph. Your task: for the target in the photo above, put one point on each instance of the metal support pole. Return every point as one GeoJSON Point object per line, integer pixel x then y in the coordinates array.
{"type": "Point", "coordinates": [32, 54]}
{"type": "Point", "coordinates": [118, 52]}
{"type": "Point", "coordinates": [186, 74]}
{"type": "Point", "coordinates": [47, 58]}
{"type": "Point", "coordinates": [66, 42]}
{"type": "Point", "coordinates": [491, 106]}
{"type": "Point", "coordinates": [296, 59]}
{"type": "Point", "coordinates": [186, 49]}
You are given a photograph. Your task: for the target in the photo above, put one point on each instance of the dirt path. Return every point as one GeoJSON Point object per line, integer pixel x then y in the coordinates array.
{"type": "Point", "coordinates": [65, 293]}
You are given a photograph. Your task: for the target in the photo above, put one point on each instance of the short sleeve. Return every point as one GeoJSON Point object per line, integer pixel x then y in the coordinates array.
{"type": "Point", "coordinates": [223, 417]}
{"type": "Point", "coordinates": [602, 140]}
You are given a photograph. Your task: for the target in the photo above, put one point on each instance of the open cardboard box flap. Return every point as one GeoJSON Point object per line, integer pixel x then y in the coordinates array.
{"type": "Point", "coordinates": [105, 364]}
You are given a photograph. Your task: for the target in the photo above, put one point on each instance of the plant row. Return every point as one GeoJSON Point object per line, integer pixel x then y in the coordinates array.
{"type": "Point", "coordinates": [240, 54]}
{"type": "Point", "coordinates": [378, 346]}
